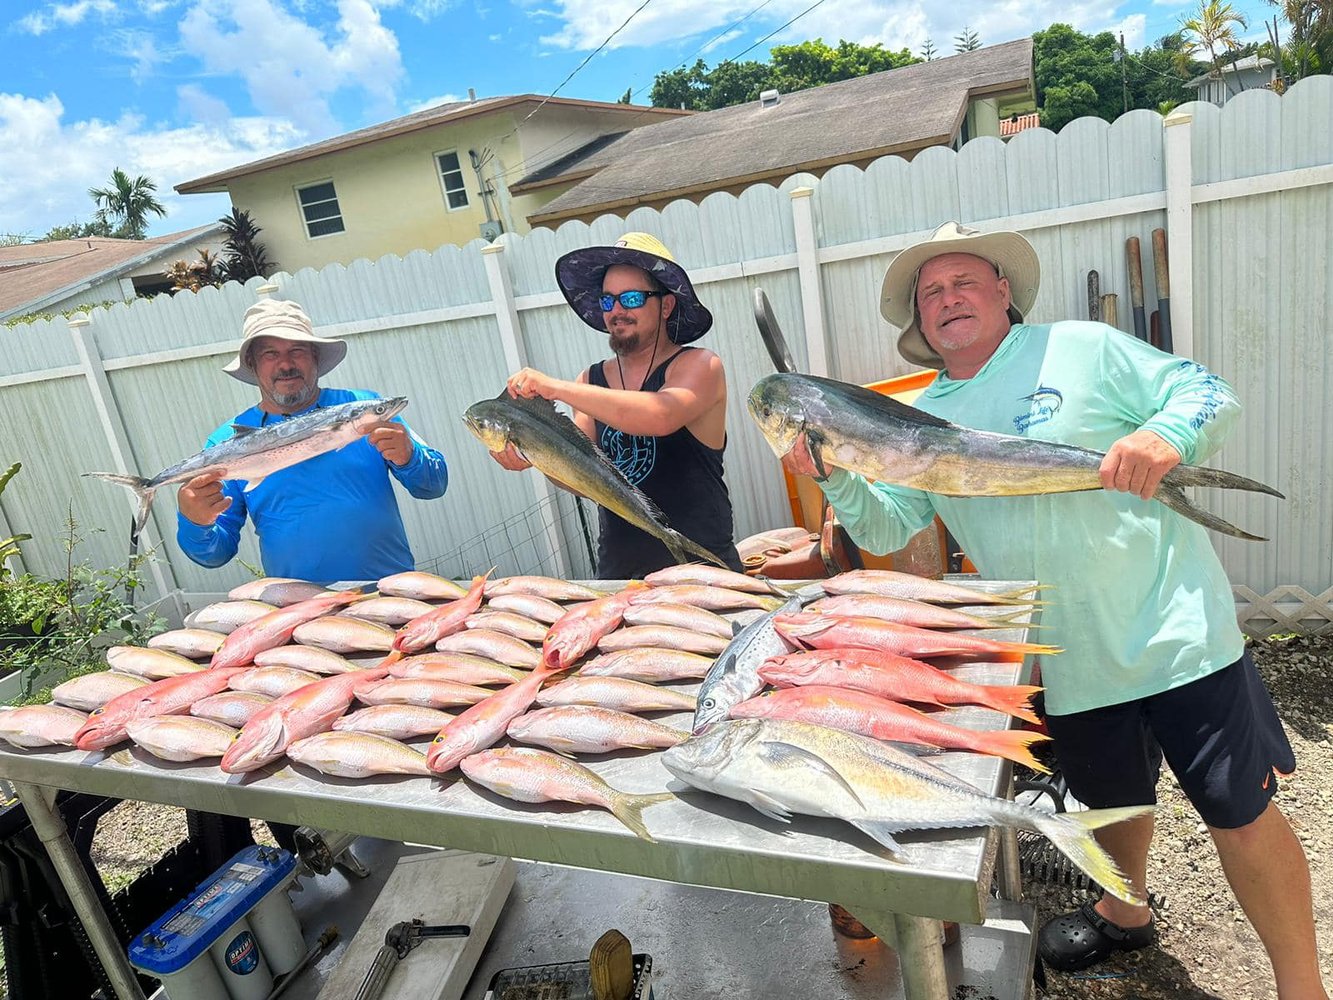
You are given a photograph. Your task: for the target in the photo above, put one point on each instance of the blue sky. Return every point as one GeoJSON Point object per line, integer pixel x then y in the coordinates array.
{"type": "Point", "coordinates": [175, 89]}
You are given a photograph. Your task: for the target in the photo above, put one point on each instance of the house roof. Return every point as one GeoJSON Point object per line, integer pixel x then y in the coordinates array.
{"type": "Point", "coordinates": [1018, 123]}
{"type": "Point", "coordinates": [852, 120]}
{"type": "Point", "coordinates": [1239, 66]}
{"type": "Point", "coordinates": [34, 275]}
{"type": "Point", "coordinates": [440, 114]}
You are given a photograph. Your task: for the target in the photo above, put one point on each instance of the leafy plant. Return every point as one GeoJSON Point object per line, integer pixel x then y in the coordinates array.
{"type": "Point", "coordinates": [71, 622]}
{"type": "Point", "coordinates": [244, 257]}
{"type": "Point", "coordinates": [9, 546]}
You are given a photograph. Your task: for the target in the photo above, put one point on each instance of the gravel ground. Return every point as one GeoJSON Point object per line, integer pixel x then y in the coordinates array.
{"type": "Point", "coordinates": [1207, 949]}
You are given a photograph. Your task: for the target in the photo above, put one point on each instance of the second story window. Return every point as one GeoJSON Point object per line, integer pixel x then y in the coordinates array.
{"type": "Point", "coordinates": [451, 176]}
{"type": "Point", "coordinates": [319, 208]}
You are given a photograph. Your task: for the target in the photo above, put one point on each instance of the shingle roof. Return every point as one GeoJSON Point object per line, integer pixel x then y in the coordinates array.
{"type": "Point", "coordinates": [440, 114]}
{"type": "Point", "coordinates": [1239, 66]}
{"type": "Point", "coordinates": [34, 274]}
{"type": "Point", "coordinates": [853, 120]}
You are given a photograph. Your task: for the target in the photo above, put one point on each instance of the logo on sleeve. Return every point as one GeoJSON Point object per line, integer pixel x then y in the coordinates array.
{"type": "Point", "coordinates": [1043, 405]}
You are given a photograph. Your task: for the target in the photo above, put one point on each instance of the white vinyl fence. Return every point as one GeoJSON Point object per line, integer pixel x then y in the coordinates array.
{"type": "Point", "coordinates": [1245, 193]}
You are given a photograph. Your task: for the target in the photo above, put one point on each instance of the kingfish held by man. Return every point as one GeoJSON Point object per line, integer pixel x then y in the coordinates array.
{"type": "Point", "coordinates": [781, 767]}
{"type": "Point", "coordinates": [849, 427]}
{"type": "Point", "coordinates": [554, 445]}
{"type": "Point", "coordinates": [253, 453]}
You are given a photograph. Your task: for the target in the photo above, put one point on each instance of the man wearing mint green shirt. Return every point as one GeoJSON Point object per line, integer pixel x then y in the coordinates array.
{"type": "Point", "coordinates": [1154, 663]}
{"type": "Point", "coordinates": [332, 517]}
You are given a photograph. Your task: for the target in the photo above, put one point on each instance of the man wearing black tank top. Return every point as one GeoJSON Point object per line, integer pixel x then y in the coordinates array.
{"type": "Point", "coordinates": [656, 407]}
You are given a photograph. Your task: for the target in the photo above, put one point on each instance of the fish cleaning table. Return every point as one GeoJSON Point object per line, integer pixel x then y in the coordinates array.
{"type": "Point", "coordinates": [701, 839]}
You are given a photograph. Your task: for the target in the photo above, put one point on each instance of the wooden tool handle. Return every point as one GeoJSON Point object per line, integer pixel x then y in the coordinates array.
{"type": "Point", "coordinates": [1159, 263]}
{"type": "Point", "coordinates": [1135, 263]}
{"type": "Point", "coordinates": [1108, 309]}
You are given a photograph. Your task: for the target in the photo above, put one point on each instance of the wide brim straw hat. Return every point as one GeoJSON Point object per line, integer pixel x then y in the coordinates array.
{"type": "Point", "coordinates": [1008, 251]}
{"type": "Point", "coordinates": [272, 318]}
{"type": "Point", "coordinates": [579, 274]}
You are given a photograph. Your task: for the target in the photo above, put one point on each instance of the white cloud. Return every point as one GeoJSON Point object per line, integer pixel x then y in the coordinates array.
{"type": "Point", "coordinates": [1132, 28]}
{"type": "Point", "coordinates": [142, 49]}
{"type": "Point", "coordinates": [65, 15]}
{"type": "Point", "coordinates": [723, 39]}
{"type": "Point", "coordinates": [289, 67]}
{"type": "Point", "coordinates": [424, 10]}
{"type": "Point", "coordinates": [49, 163]}
{"type": "Point", "coordinates": [431, 102]}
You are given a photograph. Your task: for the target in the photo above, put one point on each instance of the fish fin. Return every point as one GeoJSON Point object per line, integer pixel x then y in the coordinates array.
{"type": "Point", "coordinates": [786, 754]}
{"type": "Point", "coordinates": [251, 484]}
{"type": "Point", "coordinates": [884, 405]}
{"type": "Point", "coordinates": [1011, 699]}
{"type": "Point", "coordinates": [881, 833]}
{"type": "Point", "coordinates": [773, 588]}
{"type": "Point", "coordinates": [1012, 744]}
{"type": "Point", "coordinates": [685, 545]}
{"type": "Point", "coordinates": [239, 431]}
{"type": "Point", "coordinates": [143, 489]}
{"type": "Point", "coordinates": [1195, 475]}
{"type": "Point", "coordinates": [813, 442]}
{"type": "Point", "coordinates": [1071, 833]}
{"type": "Point", "coordinates": [629, 810]}
{"type": "Point", "coordinates": [770, 807]}
{"type": "Point", "coordinates": [1174, 497]}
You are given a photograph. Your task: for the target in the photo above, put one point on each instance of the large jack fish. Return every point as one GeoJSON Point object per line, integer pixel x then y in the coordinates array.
{"type": "Point", "coordinates": [848, 427]}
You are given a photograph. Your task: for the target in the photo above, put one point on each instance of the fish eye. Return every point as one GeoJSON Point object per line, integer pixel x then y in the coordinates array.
{"type": "Point", "coordinates": [96, 712]}
{"type": "Point", "coordinates": [710, 703]}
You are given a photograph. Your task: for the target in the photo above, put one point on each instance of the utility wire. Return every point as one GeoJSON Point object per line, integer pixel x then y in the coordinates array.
{"type": "Point", "coordinates": [585, 62]}
{"type": "Point", "coordinates": [772, 33]}
{"type": "Point", "coordinates": [706, 44]}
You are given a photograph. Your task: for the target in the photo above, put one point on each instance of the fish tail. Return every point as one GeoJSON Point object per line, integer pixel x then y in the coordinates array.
{"type": "Point", "coordinates": [629, 810]}
{"type": "Point", "coordinates": [1011, 699]}
{"type": "Point", "coordinates": [1023, 595]}
{"type": "Point", "coordinates": [1194, 475]}
{"type": "Point", "coordinates": [1072, 834]}
{"type": "Point", "coordinates": [142, 489]}
{"type": "Point", "coordinates": [1012, 744]}
{"type": "Point", "coordinates": [682, 548]}
{"type": "Point", "coordinates": [1028, 647]}
{"type": "Point", "coordinates": [393, 657]}
{"type": "Point", "coordinates": [1174, 497]}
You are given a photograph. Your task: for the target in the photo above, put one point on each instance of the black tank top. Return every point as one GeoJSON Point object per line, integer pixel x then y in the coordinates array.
{"type": "Point", "coordinates": [680, 474]}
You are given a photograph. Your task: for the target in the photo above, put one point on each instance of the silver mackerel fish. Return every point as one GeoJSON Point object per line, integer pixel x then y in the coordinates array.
{"type": "Point", "coordinates": [734, 677]}
{"type": "Point", "coordinates": [256, 452]}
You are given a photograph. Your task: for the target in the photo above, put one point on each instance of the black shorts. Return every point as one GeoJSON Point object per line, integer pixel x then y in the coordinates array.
{"type": "Point", "coordinates": [1220, 735]}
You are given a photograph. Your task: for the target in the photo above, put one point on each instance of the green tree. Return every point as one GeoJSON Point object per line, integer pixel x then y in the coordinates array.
{"type": "Point", "coordinates": [625, 97]}
{"type": "Point", "coordinates": [244, 257]}
{"type": "Point", "coordinates": [129, 202]}
{"type": "Point", "coordinates": [928, 51]}
{"type": "Point", "coordinates": [77, 230]}
{"type": "Point", "coordinates": [967, 41]}
{"type": "Point", "coordinates": [1212, 29]}
{"type": "Point", "coordinates": [792, 67]}
{"type": "Point", "coordinates": [1309, 47]}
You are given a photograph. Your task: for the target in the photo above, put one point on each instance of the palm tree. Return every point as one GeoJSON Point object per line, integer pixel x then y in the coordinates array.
{"type": "Point", "coordinates": [1213, 29]}
{"type": "Point", "coordinates": [129, 201]}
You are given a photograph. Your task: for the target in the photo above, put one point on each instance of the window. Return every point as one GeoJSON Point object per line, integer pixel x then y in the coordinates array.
{"type": "Point", "coordinates": [451, 176]}
{"type": "Point", "coordinates": [319, 207]}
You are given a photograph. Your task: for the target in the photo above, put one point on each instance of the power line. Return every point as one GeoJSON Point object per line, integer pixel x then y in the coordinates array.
{"type": "Point", "coordinates": [585, 62]}
{"type": "Point", "coordinates": [772, 33]}
{"type": "Point", "coordinates": [706, 44]}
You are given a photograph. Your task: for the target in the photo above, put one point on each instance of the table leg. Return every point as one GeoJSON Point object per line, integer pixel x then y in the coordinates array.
{"type": "Point", "coordinates": [919, 944]}
{"type": "Point", "coordinates": [39, 804]}
{"type": "Point", "coordinates": [1007, 871]}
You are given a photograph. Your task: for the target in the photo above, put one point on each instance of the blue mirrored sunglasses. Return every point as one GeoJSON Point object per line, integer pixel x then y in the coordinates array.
{"type": "Point", "coordinates": [632, 299]}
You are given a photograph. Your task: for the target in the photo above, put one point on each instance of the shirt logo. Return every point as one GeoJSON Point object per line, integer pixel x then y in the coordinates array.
{"type": "Point", "coordinates": [1043, 405]}
{"type": "Point", "coordinates": [634, 455]}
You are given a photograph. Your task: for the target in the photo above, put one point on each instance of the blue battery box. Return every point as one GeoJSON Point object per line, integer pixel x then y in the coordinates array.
{"type": "Point", "coordinates": [190, 927]}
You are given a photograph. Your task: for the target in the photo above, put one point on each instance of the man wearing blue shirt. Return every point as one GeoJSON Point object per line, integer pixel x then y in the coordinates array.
{"type": "Point", "coordinates": [1154, 664]}
{"type": "Point", "coordinates": [332, 517]}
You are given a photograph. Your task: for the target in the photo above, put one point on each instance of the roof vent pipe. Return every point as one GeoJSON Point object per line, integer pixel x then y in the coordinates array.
{"type": "Point", "coordinates": [768, 98]}
{"type": "Point", "coordinates": [472, 95]}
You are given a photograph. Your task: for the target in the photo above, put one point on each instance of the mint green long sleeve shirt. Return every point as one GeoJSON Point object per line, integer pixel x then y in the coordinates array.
{"type": "Point", "coordinates": [1137, 597]}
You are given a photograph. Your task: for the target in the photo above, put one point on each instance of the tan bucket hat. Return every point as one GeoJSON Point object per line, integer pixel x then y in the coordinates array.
{"type": "Point", "coordinates": [579, 276]}
{"type": "Point", "coordinates": [271, 318]}
{"type": "Point", "coordinates": [1008, 251]}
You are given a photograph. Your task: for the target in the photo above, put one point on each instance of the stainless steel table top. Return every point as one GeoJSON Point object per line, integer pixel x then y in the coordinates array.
{"type": "Point", "coordinates": [701, 839]}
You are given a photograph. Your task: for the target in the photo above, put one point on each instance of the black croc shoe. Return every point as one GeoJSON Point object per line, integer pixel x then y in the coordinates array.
{"type": "Point", "coordinates": [1077, 940]}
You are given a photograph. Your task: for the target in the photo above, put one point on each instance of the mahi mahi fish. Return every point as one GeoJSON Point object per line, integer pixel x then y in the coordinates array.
{"type": "Point", "coordinates": [848, 427]}
{"type": "Point", "coordinates": [551, 442]}
{"type": "Point", "coordinates": [781, 767]}
{"type": "Point", "coordinates": [253, 453]}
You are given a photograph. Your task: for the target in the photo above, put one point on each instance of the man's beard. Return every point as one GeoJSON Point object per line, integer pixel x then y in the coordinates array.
{"type": "Point", "coordinates": [624, 340]}
{"type": "Point", "coordinates": [298, 398]}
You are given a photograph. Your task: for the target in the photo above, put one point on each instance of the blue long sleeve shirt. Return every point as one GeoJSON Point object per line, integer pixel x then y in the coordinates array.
{"type": "Point", "coordinates": [1138, 599]}
{"type": "Point", "coordinates": [331, 517]}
